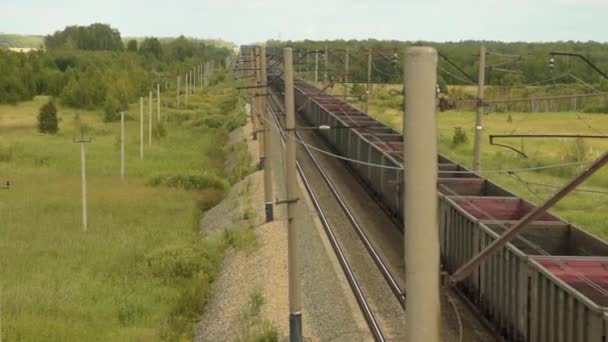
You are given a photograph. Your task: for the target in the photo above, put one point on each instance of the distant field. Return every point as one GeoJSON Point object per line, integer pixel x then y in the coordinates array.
{"type": "Point", "coordinates": [586, 209]}
{"type": "Point", "coordinates": [20, 41]}
{"type": "Point", "coordinates": [142, 271]}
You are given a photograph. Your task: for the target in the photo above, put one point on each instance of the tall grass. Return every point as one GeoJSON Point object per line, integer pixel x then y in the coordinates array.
{"type": "Point", "coordinates": [141, 272]}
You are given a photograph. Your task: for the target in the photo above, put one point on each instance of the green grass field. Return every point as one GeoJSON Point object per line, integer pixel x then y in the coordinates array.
{"type": "Point", "coordinates": [589, 210]}
{"type": "Point", "coordinates": [142, 271]}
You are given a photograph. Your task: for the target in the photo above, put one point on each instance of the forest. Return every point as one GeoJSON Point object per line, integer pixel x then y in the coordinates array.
{"type": "Point", "coordinates": [90, 67]}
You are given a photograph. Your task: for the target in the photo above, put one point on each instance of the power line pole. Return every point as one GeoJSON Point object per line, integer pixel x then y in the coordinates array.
{"type": "Point", "coordinates": [368, 91]}
{"type": "Point", "coordinates": [326, 63]}
{"type": "Point", "coordinates": [83, 173]}
{"type": "Point", "coordinates": [122, 144]}
{"type": "Point", "coordinates": [150, 121]}
{"type": "Point", "coordinates": [295, 292]}
{"type": "Point", "coordinates": [187, 85]}
{"type": "Point", "coordinates": [178, 82]}
{"type": "Point", "coordinates": [420, 180]}
{"type": "Point", "coordinates": [158, 102]}
{"type": "Point", "coordinates": [316, 65]}
{"type": "Point", "coordinates": [267, 149]}
{"type": "Point", "coordinates": [479, 117]}
{"type": "Point", "coordinates": [141, 128]}
{"type": "Point", "coordinates": [346, 71]}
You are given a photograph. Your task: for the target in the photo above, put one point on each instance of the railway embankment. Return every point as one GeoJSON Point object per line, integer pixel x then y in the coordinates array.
{"type": "Point", "coordinates": [249, 297]}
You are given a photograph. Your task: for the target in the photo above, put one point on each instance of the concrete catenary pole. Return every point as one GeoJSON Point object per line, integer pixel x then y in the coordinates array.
{"type": "Point", "coordinates": [178, 82]}
{"type": "Point", "coordinates": [267, 147]}
{"type": "Point", "coordinates": [150, 120]}
{"type": "Point", "coordinates": [259, 93]}
{"type": "Point", "coordinates": [158, 102]}
{"type": "Point", "coordinates": [295, 292]}
{"type": "Point", "coordinates": [346, 71]}
{"type": "Point", "coordinates": [316, 65]}
{"type": "Point", "coordinates": [141, 128]}
{"type": "Point", "coordinates": [479, 117]}
{"type": "Point", "coordinates": [122, 144]}
{"type": "Point", "coordinates": [252, 83]}
{"type": "Point", "coordinates": [420, 182]}
{"type": "Point", "coordinates": [368, 89]}
{"type": "Point", "coordinates": [326, 64]}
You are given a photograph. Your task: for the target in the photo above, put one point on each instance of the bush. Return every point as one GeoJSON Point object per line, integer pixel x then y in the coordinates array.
{"type": "Point", "coordinates": [111, 109]}
{"type": "Point", "coordinates": [47, 118]}
{"type": "Point", "coordinates": [578, 151]}
{"type": "Point", "coordinates": [190, 181]}
{"type": "Point", "coordinates": [460, 137]}
{"type": "Point", "coordinates": [159, 131]}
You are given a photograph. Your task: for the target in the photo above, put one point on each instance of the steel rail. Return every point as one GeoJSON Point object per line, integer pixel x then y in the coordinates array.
{"type": "Point", "coordinates": [348, 272]}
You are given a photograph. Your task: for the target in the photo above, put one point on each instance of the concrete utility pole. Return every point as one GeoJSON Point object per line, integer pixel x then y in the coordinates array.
{"type": "Point", "coordinates": [267, 147]}
{"type": "Point", "coordinates": [122, 144]}
{"type": "Point", "coordinates": [178, 81]}
{"type": "Point", "coordinates": [420, 211]}
{"type": "Point", "coordinates": [187, 84]}
{"type": "Point", "coordinates": [141, 128]}
{"type": "Point", "coordinates": [259, 109]}
{"type": "Point", "coordinates": [326, 63]}
{"type": "Point", "coordinates": [368, 89]}
{"type": "Point", "coordinates": [150, 121]}
{"type": "Point", "coordinates": [295, 292]}
{"type": "Point", "coordinates": [83, 172]}
{"type": "Point", "coordinates": [479, 118]}
{"type": "Point", "coordinates": [346, 71]}
{"type": "Point", "coordinates": [252, 83]}
{"type": "Point", "coordinates": [316, 65]}
{"type": "Point", "coordinates": [158, 102]}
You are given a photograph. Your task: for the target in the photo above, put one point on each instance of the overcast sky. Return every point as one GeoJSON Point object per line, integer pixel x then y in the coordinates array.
{"type": "Point", "coordinates": [246, 21]}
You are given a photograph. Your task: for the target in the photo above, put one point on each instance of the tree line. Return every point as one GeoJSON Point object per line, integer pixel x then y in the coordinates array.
{"type": "Point", "coordinates": [89, 67]}
{"type": "Point", "coordinates": [509, 64]}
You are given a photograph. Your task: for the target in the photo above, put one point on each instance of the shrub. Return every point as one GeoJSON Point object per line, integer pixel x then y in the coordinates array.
{"type": "Point", "coordinates": [460, 137]}
{"type": "Point", "coordinates": [47, 118]}
{"type": "Point", "coordinates": [111, 109]}
{"type": "Point", "coordinates": [578, 151]}
{"type": "Point", "coordinates": [159, 131]}
{"type": "Point", "coordinates": [190, 181]}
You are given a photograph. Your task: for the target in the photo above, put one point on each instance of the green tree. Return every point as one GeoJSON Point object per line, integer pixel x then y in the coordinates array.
{"type": "Point", "coordinates": [47, 118]}
{"type": "Point", "coordinates": [132, 45]}
{"type": "Point", "coordinates": [151, 47]}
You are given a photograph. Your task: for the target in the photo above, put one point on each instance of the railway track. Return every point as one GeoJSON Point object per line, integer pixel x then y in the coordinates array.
{"type": "Point", "coordinates": [381, 271]}
{"type": "Point", "coordinates": [369, 316]}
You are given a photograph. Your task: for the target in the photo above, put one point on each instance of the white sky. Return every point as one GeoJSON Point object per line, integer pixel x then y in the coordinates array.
{"type": "Point", "coordinates": [246, 21]}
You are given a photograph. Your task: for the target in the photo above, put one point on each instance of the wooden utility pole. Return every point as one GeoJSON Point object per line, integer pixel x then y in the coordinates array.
{"type": "Point", "coordinates": [83, 173]}
{"type": "Point", "coordinates": [295, 291]}
{"type": "Point", "coordinates": [141, 128]}
{"type": "Point", "coordinates": [346, 72]}
{"type": "Point", "coordinates": [267, 147]}
{"type": "Point", "coordinates": [150, 121]}
{"type": "Point", "coordinates": [122, 144]}
{"type": "Point", "coordinates": [254, 120]}
{"type": "Point", "coordinates": [368, 89]}
{"type": "Point", "coordinates": [422, 265]}
{"type": "Point", "coordinates": [479, 117]}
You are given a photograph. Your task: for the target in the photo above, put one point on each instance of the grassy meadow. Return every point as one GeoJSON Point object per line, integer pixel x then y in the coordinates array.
{"type": "Point", "coordinates": [142, 271]}
{"type": "Point", "coordinates": [589, 210]}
